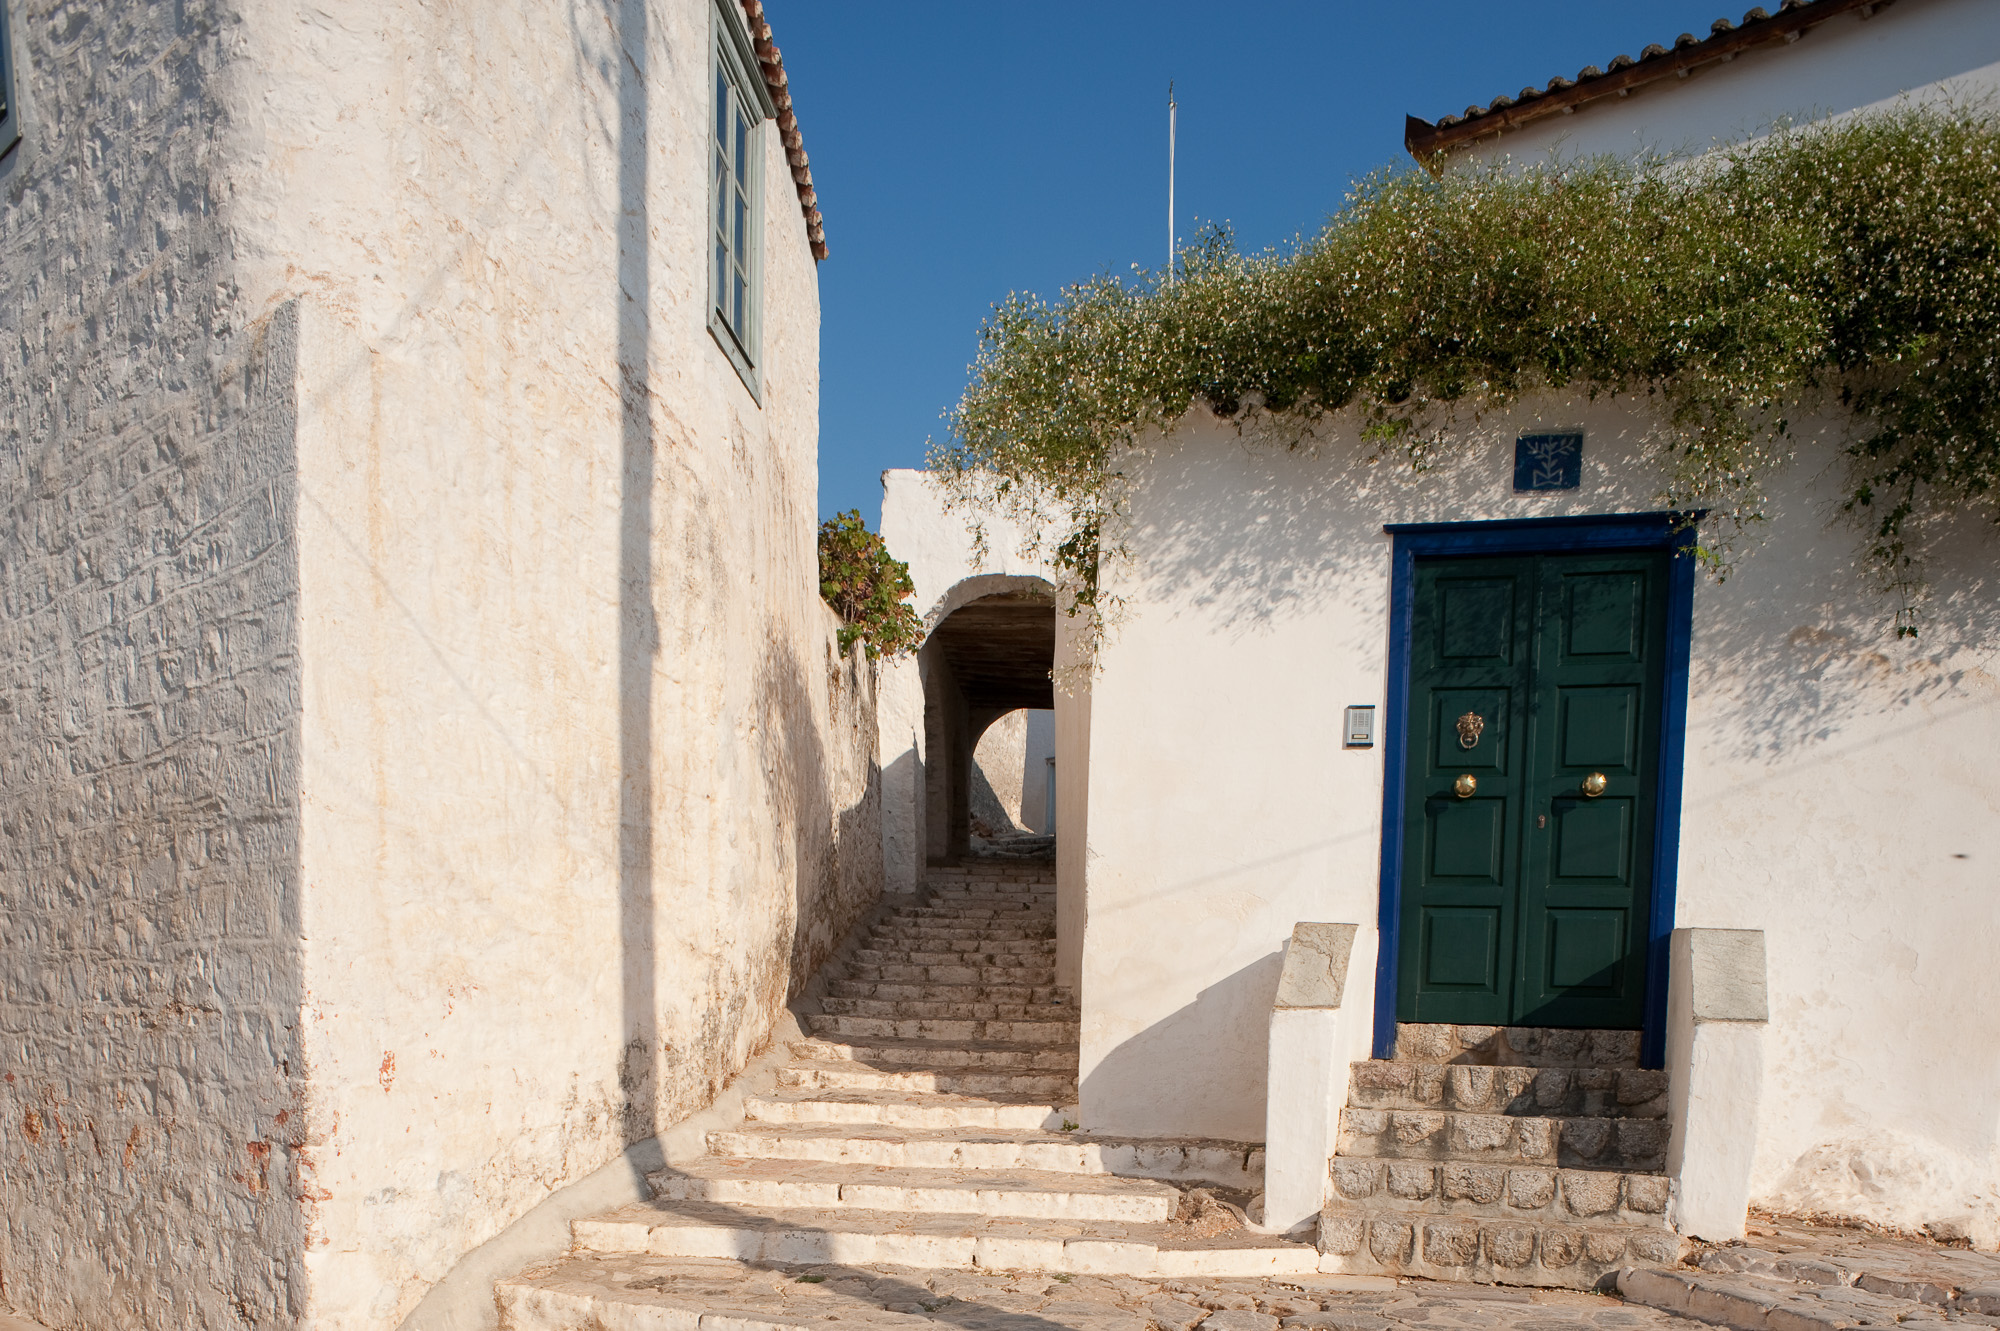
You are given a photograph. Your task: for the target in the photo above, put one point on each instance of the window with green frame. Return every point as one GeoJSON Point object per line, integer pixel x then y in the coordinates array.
{"type": "Point", "coordinates": [736, 222]}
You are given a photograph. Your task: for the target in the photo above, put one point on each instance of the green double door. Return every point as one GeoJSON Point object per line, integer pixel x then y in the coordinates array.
{"type": "Point", "coordinates": [1528, 819]}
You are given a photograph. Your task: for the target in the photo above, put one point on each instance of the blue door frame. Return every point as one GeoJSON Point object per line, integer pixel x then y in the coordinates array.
{"type": "Point", "coordinates": [1541, 536]}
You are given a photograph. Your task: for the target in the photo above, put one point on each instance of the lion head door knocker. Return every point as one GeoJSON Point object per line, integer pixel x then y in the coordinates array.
{"type": "Point", "coordinates": [1470, 727]}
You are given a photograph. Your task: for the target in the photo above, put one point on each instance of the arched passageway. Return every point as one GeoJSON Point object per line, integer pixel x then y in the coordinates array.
{"type": "Point", "coordinates": [990, 656]}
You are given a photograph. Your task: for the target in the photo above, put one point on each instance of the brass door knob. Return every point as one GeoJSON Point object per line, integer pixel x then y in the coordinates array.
{"type": "Point", "coordinates": [1594, 784]}
{"type": "Point", "coordinates": [1465, 785]}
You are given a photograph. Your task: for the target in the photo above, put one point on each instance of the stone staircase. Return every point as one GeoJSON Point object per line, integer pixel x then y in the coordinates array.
{"type": "Point", "coordinates": [927, 1121]}
{"type": "Point", "coordinates": [1513, 1155]}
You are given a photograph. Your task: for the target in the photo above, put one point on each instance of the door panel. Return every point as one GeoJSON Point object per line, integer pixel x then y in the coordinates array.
{"type": "Point", "coordinates": [1586, 950]}
{"type": "Point", "coordinates": [1475, 620]}
{"type": "Point", "coordinates": [1468, 839]}
{"type": "Point", "coordinates": [1462, 855]}
{"type": "Point", "coordinates": [1594, 840]}
{"type": "Point", "coordinates": [1525, 897]}
{"type": "Point", "coordinates": [1604, 615]}
{"type": "Point", "coordinates": [1462, 950]}
{"type": "Point", "coordinates": [1599, 726]}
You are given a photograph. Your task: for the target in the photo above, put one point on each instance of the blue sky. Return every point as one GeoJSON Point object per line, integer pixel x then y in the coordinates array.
{"type": "Point", "coordinates": [964, 151]}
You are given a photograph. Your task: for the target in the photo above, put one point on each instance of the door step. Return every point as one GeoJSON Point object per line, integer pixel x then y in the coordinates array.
{"type": "Point", "coordinates": [1369, 1241]}
{"type": "Point", "coordinates": [1480, 1088]}
{"type": "Point", "coordinates": [1508, 1155]}
{"type": "Point", "coordinates": [1515, 1046]}
{"type": "Point", "coordinates": [1498, 1192]}
{"type": "Point", "coordinates": [1505, 1139]}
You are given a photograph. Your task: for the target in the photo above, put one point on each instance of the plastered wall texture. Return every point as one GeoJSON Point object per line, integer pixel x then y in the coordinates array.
{"type": "Point", "coordinates": [1834, 792]}
{"type": "Point", "coordinates": [150, 1074]}
{"type": "Point", "coordinates": [421, 651]}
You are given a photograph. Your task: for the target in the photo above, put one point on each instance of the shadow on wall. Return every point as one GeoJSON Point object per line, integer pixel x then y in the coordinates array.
{"type": "Point", "coordinates": [837, 856]}
{"type": "Point", "coordinates": [638, 633]}
{"type": "Point", "coordinates": [990, 815]}
{"type": "Point", "coordinates": [1799, 686]}
{"type": "Point", "coordinates": [1244, 530]}
{"type": "Point", "coordinates": [1226, 1020]}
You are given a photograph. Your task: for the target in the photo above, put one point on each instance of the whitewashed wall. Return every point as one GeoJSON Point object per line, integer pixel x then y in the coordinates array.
{"type": "Point", "coordinates": [468, 772]}
{"type": "Point", "coordinates": [1013, 758]}
{"type": "Point", "coordinates": [1834, 795]}
{"type": "Point", "coordinates": [1925, 50]}
{"type": "Point", "coordinates": [149, 686]}
{"type": "Point", "coordinates": [948, 568]}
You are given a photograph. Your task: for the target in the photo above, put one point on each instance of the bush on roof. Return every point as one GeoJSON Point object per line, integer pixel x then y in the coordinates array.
{"type": "Point", "coordinates": [1858, 260]}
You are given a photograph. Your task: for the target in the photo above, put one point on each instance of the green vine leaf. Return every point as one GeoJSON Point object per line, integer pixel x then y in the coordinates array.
{"type": "Point", "coordinates": [867, 587]}
{"type": "Point", "coordinates": [1856, 261]}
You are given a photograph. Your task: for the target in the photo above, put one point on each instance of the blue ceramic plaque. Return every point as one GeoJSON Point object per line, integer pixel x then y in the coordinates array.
{"type": "Point", "coordinates": [1548, 462]}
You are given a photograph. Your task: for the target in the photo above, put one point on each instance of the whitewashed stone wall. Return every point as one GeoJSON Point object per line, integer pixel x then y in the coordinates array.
{"type": "Point", "coordinates": [150, 1067]}
{"type": "Point", "coordinates": [447, 770]}
{"type": "Point", "coordinates": [1834, 793]}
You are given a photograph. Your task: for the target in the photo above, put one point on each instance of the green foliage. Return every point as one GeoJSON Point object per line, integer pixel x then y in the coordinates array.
{"type": "Point", "coordinates": [1858, 261]}
{"type": "Point", "coordinates": [867, 587]}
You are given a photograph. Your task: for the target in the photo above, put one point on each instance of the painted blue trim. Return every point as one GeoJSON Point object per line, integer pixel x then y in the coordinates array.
{"type": "Point", "coordinates": [1542, 536]}
{"type": "Point", "coordinates": [1667, 817]}
{"type": "Point", "coordinates": [1389, 918]}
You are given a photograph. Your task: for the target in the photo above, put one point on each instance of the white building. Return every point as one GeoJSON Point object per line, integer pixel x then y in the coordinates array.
{"type": "Point", "coordinates": [1554, 776]}
{"type": "Point", "coordinates": [429, 770]}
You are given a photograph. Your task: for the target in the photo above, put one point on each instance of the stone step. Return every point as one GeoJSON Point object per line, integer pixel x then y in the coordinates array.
{"type": "Point", "coordinates": [1371, 1241]}
{"type": "Point", "coordinates": [949, 1011]}
{"type": "Point", "coordinates": [991, 958]}
{"type": "Point", "coordinates": [844, 1075]}
{"type": "Point", "coordinates": [989, 864]}
{"type": "Point", "coordinates": [1229, 1164]}
{"type": "Point", "coordinates": [1004, 896]}
{"type": "Point", "coordinates": [1515, 1046]}
{"type": "Point", "coordinates": [991, 1056]}
{"type": "Point", "coordinates": [998, 933]}
{"type": "Point", "coordinates": [902, 1110]}
{"type": "Point", "coordinates": [841, 1026]}
{"type": "Point", "coordinates": [973, 915]}
{"type": "Point", "coordinates": [906, 943]}
{"type": "Point", "coordinates": [992, 887]}
{"type": "Point", "coordinates": [1560, 1092]}
{"type": "Point", "coordinates": [949, 993]}
{"type": "Point", "coordinates": [768, 1184]}
{"type": "Point", "coordinates": [1501, 1192]}
{"type": "Point", "coordinates": [976, 975]}
{"type": "Point", "coordinates": [629, 1292]}
{"type": "Point", "coordinates": [1636, 1144]}
{"type": "Point", "coordinates": [937, 1241]}
{"type": "Point", "coordinates": [983, 906]}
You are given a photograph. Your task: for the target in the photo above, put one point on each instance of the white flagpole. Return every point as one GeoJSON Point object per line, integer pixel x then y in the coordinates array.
{"type": "Point", "coordinates": [1171, 114]}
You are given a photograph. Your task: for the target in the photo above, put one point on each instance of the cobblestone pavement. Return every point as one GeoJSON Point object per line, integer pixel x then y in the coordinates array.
{"type": "Point", "coordinates": [1794, 1277]}
{"type": "Point", "coordinates": [718, 1295]}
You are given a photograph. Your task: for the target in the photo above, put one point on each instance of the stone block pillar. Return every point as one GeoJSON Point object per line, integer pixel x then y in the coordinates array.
{"type": "Point", "coordinates": [1717, 1011]}
{"type": "Point", "coordinates": [1312, 1044]}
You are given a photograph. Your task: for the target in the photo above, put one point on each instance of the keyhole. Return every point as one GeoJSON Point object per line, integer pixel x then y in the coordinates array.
{"type": "Point", "coordinates": [1541, 820]}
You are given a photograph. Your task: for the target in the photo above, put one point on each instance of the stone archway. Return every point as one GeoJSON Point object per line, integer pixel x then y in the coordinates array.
{"type": "Point", "coordinates": [991, 650]}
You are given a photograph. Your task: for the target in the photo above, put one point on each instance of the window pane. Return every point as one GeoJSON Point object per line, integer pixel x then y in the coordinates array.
{"type": "Point", "coordinates": [722, 267]}
{"type": "Point", "coordinates": [742, 226]}
{"type": "Point", "coordinates": [742, 147]}
{"type": "Point", "coordinates": [722, 193]}
{"type": "Point", "coordinates": [721, 110]}
{"type": "Point", "coordinates": [737, 321]}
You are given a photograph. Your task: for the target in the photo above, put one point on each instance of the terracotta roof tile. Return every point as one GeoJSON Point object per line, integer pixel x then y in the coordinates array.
{"type": "Point", "coordinates": [771, 63]}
